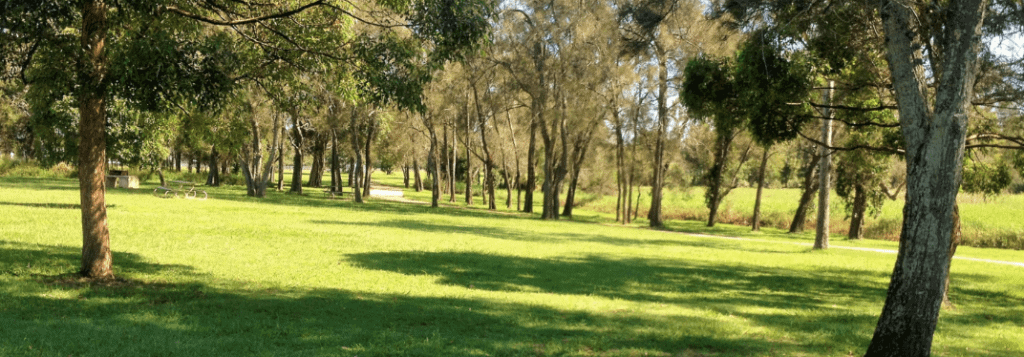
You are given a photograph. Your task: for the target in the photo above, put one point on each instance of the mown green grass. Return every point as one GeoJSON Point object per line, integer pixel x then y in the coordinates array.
{"type": "Point", "coordinates": [304, 275]}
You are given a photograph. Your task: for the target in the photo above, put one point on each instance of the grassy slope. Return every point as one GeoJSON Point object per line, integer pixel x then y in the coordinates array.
{"type": "Point", "coordinates": [309, 276]}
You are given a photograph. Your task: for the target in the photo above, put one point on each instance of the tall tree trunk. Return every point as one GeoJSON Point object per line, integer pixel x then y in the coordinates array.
{"type": "Point", "coordinates": [860, 206]}
{"type": "Point", "coordinates": [468, 141]}
{"type": "Point", "coordinates": [717, 175]}
{"type": "Point", "coordinates": [659, 144]}
{"type": "Point", "coordinates": [416, 173]}
{"type": "Point", "coordinates": [579, 155]}
{"type": "Point", "coordinates": [177, 160]}
{"type": "Point", "coordinates": [280, 163]}
{"type": "Point", "coordinates": [453, 164]}
{"type": "Point", "coordinates": [488, 159]}
{"type": "Point", "coordinates": [825, 174]}
{"type": "Point", "coordinates": [756, 224]}
{"type": "Point", "coordinates": [352, 170]}
{"type": "Point", "coordinates": [213, 177]}
{"type": "Point", "coordinates": [433, 161]}
{"type": "Point", "coordinates": [371, 133]}
{"type": "Point", "coordinates": [620, 166]}
{"type": "Point", "coordinates": [531, 167]}
{"type": "Point", "coordinates": [810, 187]}
{"type": "Point", "coordinates": [297, 161]}
{"type": "Point", "coordinates": [92, 146]}
{"type": "Point", "coordinates": [935, 137]}
{"type": "Point", "coordinates": [405, 175]}
{"type": "Point", "coordinates": [355, 176]}
{"type": "Point", "coordinates": [335, 163]}
{"type": "Point", "coordinates": [316, 172]}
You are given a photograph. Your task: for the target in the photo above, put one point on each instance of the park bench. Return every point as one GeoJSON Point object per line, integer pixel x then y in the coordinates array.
{"type": "Point", "coordinates": [186, 189]}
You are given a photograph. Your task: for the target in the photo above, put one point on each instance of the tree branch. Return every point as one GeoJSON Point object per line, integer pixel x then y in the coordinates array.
{"type": "Point", "coordinates": [851, 148]}
{"type": "Point", "coordinates": [176, 10]}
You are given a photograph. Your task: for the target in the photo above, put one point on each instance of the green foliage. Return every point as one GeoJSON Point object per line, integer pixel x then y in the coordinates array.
{"type": "Point", "coordinates": [768, 86]}
{"type": "Point", "coordinates": [710, 93]}
{"type": "Point", "coordinates": [453, 28]}
{"type": "Point", "coordinates": [985, 178]}
{"type": "Point", "coordinates": [19, 168]}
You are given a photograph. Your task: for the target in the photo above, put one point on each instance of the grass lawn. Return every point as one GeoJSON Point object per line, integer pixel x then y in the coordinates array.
{"type": "Point", "coordinates": [304, 275]}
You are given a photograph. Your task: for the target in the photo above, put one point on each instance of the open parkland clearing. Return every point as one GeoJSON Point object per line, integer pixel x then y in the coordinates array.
{"type": "Point", "coordinates": [306, 275]}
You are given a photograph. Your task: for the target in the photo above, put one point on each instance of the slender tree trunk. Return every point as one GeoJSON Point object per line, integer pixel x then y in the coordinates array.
{"type": "Point", "coordinates": [416, 173]}
{"type": "Point", "coordinates": [860, 205]}
{"type": "Point", "coordinates": [297, 162]}
{"type": "Point", "coordinates": [825, 174]}
{"type": "Point", "coordinates": [335, 163]}
{"type": "Point", "coordinates": [92, 147]}
{"type": "Point", "coordinates": [659, 146]}
{"type": "Point", "coordinates": [213, 177]}
{"type": "Point", "coordinates": [756, 224]}
{"type": "Point", "coordinates": [355, 176]}
{"type": "Point", "coordinates": [367, 159]}
{"type": "Point", "coordinates": [531, 167]}
{"type": "Point", "coordinates": [177, 160]}
{"type": "Point", "coordinates": [810, 187]}
{"type": "Point", "coordinates": [433, 162]}
{"type": "Point", "coordinates": [352, 170]}
{"type": "Point", "coordinates": [717, 175]}
{"type": "Point", "coordinates": [280, 163]}
{"type": "Point", "coordinates": [627, 217]}
{"type": "Point", "coordinates": [469, 159]}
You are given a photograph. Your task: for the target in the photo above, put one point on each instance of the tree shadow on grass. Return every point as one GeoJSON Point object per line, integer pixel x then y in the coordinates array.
{"type": "Point", "coordinates": [189, 314]}
{"type": "Point", "coordinates": [520, 235]}
{"type": "Point", "coordinates": [45, 314]}
{"type": "Point", "coordinates": [753, 294]}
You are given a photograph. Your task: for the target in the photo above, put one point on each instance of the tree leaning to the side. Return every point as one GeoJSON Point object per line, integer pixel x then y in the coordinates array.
{"type": "Point", "coordinates": [935, 134]}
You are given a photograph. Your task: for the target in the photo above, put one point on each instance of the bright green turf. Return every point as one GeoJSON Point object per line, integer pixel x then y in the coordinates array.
{"type": "Point", "coordinates": [305, 275]}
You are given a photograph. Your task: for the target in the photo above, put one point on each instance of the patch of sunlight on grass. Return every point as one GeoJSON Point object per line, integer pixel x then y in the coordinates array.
{"type": "Point", "coordinates": [306, 275]}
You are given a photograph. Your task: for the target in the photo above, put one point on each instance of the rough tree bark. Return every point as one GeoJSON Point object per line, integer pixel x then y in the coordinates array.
{"type": "Point", "coordinates": [371, 132]}
{"type": "Point", "coordinates": [953, 244]}
{"type": "Point", "coordinates": [355, 176]}
{"type": "Point", "coordinates": [335, 163]}
{"type": "Point", "coordinates": [280, 163]}
{"type": "Point", "coordinates": [824, 175]}
{"type": "Point", "coordinates": [810, 187]}
{"type": "Point", "coordinates": [92, 146]}
{"type": "Point", "coordinates": [213, 177]}
{"type": "Point", "coordinates": [714, 196]}
{"type": "Point", "coordinates": [935, 137]}
{"type": "Point", "coordinates": [416, 173]}
{"type": "Point", "coordinates": [468, 142]}
{"type": "Point", "coordinates": [319, 149]}
{"type": "Point", "coordinates": [297, 143]}
{"type": "Point", "coordinates": [658, 178]}
{"type": "Point", "coordinates": [860, 205]}
{"type": "Point", "coordinates": [756, 224]}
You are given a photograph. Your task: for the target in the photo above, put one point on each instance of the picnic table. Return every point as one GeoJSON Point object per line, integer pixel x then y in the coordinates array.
{"type": "Point", "coordinates": [186, 189]}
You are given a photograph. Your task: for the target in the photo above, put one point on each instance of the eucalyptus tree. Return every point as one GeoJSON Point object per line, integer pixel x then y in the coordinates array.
{"type": "Point", "coordinates": [154, 52]}
{"type": "Point", "coordinates": [669, 32]}
{"type": "Point", "coordinates": [933, 54]}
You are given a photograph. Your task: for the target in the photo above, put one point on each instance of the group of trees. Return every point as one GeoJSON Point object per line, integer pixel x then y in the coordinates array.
{"type": "Point", "coordinates": [889, 96]}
